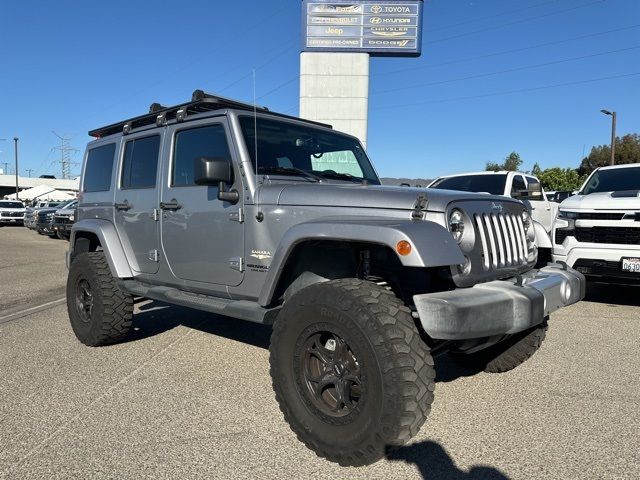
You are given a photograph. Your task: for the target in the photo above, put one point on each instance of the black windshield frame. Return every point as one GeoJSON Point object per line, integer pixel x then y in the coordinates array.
{"type": "Point", "coordinates": [299, 144]}
{"type": "Point", "coordinates": [612, 180]}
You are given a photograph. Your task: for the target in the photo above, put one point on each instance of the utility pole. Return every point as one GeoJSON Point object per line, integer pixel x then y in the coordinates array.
{"type": "Point", "coordinates": [15, 143]}
{"type": "Point", "coordinates": [65, 155]}
{"type": "Point", "coordinates": [613, 134]}
{"type": "Point", "coordinates": [29, 170]}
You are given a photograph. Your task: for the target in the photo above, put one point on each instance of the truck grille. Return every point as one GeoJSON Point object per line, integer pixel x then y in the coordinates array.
{"type": "Point", "coordinates": [504, 242]}
{"type": "Point", "coordinates": [614, 235]}
{"type": "Point", "coordinates": [12, 214]}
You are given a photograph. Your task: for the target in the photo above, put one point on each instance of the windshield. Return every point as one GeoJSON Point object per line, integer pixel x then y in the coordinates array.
{"type": "Point", "coordinates": [612, 180]}
{"type": "Point", "coordinates": [493, 184]}
{"type": "Point", "coordinates": [11, 205]}
{"type": "Point", "coordinates": [298, 150]}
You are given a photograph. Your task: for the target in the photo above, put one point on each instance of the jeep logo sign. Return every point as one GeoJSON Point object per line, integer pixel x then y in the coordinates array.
{"type": "Point", "coordinates": [363, 26]}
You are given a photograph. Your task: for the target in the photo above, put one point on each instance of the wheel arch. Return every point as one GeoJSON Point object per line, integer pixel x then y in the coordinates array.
{"type": "Point", "coordinates": [91, 234]}
{"type": "Point", "coordinates": [433, 246]}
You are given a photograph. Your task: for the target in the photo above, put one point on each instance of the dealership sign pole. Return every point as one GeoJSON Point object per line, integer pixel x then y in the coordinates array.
{"type": "Point", "coordinates": [339, 37]}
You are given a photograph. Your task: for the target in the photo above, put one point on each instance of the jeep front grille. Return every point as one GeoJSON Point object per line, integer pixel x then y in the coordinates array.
{"type": "Point", "coordinates": [504, 242]}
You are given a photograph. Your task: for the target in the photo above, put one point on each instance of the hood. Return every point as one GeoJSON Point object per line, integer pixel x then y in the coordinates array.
{"type": "Point", "coordinates": [5, 209]}
{"type": "Point", "coordinates": [602, 201]}
{"type": "Point", "coordinates": [365, 196]}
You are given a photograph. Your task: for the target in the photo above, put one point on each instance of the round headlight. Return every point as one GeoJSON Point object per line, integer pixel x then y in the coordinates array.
{"type": "Point", "coordinates": [526, 219]}
{"type": "Point", "coordinates": [456, 225]}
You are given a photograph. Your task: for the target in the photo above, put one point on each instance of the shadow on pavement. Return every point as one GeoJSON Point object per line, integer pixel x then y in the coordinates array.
{"type": "Point", "coordinates": [154, 318]}
{"type": "Point", "coordinates": [448, 370]}
{"type": "Point", "coordinates": [613, 294]}
{"type": "Point", "coordinates": [434, 462]}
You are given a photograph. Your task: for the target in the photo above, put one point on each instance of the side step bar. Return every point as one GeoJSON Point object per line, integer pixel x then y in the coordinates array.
{"type": "Point", "coordinates": [242, 309]}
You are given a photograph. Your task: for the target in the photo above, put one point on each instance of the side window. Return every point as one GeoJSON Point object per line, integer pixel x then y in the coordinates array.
{"type": "Point", "coordinates": [518, 184]}
{"type": "Point", "coordinates": [192, 144]}
{"type": "Point", "coordinates": [97, 172]}
{"type": "Point", "coordinates": [140, 162]}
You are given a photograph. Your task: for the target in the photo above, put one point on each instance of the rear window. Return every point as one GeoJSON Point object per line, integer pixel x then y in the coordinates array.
{"type": "Point", "coordinates": [493, 184]}
{"type": "Point", "coordinates": [97, 173]}
{"type": "Point", "coordinates": [140, 163]}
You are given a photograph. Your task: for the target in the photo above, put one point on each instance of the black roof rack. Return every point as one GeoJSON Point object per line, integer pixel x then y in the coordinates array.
{"type": "Point", "coordinates": [200, 102]}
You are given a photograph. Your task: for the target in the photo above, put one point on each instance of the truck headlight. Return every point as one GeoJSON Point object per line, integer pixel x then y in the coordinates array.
{"type": "Point", "coordinates": [456, 225]}
{"type": "Point", "coordinates": [565, 215]}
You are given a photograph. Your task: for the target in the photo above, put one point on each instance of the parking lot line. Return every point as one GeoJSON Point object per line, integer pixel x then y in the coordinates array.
{"type": "Point", "coordinates": [29, 311]}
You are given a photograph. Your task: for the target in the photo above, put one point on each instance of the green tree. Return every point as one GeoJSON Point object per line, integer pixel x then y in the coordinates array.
{"type": "Point", "coordinates": [512, 163]}
{"type": "Point", "coordinates": [559, 179]}
{"type": "Point", "coordinates": [627, 151]}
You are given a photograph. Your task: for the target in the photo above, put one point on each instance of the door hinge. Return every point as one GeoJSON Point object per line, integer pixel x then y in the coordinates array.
{"type": "Point", "coordinates": [155, 214]}
{"type": "Point", "coordinates": [154, 256]}
{"type": "Point", "coordinates": [237, 216]}
{"type": "Point", "coordinates": [237, 263]}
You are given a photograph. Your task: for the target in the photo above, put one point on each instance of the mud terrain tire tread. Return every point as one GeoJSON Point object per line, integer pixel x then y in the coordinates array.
{"type": "Point", "coordinates": [113, 309]}
{"type": "Point", "coordinates": [509, 354]}
{"type": "Point", "coordinates": [403, 360]}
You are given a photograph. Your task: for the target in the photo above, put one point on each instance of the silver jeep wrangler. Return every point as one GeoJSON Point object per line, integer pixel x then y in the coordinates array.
{"type": "Point", "coordinates": [232, 209]}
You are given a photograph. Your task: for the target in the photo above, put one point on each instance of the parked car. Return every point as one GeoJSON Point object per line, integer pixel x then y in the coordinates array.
{"type": "Point", "coordinates": [274, 219]}
{"type": "Point", "coordinates": [598, 230]}
{"type": "Point", "coordinates": [521, 186]}
{"type": "Point", "coordinates": [44, 217]}
{"type": "Point", "coordinates": [11, 212]}
{"type": "Point", "coordinates": [63, 219]}
{"type": "Point", "coordinates": [31, 214]}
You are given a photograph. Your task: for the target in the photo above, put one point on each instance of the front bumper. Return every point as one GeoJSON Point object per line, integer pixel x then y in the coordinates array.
{"type": "Point", "coordinates": [501, 307]}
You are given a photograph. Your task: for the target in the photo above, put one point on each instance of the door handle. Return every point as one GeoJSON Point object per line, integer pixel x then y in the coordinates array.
{"type": "Point", "coordinates": [123, 206]}
{"type": "Point", "coordinates": [172, 205]}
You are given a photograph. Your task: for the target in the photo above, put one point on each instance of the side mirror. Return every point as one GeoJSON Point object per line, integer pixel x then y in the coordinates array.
{"type": "Point", "coordinates": [216, 171]}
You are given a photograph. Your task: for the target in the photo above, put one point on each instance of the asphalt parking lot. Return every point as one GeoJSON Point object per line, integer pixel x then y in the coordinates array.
{"type": "Point", "coordinates": [189, 395]}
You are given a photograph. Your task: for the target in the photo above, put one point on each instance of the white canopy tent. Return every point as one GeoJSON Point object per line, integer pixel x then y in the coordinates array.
{"type": "Point", "coordinates": [41, 192]}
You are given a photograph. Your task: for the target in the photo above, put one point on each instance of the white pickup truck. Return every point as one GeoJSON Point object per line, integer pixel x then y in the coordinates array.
{"type": "Point", "coordinates": [11, 212]}
{"type": "Point", "coordinates": [523, 186]}
{"type": "Point", "coordinates": [597, 231]}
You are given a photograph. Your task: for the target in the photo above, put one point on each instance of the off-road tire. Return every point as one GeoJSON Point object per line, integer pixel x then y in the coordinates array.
{"type": "Point", "coordinates": [60, 235]}
{"type": "Point", "coordinates": [397, 370]}
{"type": "Point", "coordinates": [507, 354]}
{"type": "Point", "coordinates": [111, 313]}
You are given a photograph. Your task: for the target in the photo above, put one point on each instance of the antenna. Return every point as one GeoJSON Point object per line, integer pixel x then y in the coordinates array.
{"type": "Point", "coordinates": [259, 214]}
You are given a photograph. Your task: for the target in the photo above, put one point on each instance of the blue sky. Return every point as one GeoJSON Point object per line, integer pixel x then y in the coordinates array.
{"type": "Point", "coordinates": [72, 66]}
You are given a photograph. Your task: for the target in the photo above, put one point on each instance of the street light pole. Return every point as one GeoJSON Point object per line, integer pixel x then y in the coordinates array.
{"type": "Point", "coordinates": [613, 134]}
{"type": "Point", "coordinates": [15, 142]}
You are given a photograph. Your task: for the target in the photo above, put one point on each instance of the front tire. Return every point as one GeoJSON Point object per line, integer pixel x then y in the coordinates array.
{"type": "Point", "coordinates": [100, 313]}
{"type": "Point", "coordinates": [350, 372]}
{"type": "Point", "coordinates": [508, 354]}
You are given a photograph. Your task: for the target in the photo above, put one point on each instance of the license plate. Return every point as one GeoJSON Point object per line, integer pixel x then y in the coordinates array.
{"type": "Point", "coordinates": [631, 265]}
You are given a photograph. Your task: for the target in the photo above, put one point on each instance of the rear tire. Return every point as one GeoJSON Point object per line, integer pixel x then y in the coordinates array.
{"type": "Point", "coordinates": [100, 313]}
{"type": "Point", "coordinates": [350, 372]}
{"type": "Point", "coordinates": [508, 354]}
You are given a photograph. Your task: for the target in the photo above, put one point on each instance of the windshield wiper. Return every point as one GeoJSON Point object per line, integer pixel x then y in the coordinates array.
{"type": "Point", "coordinates": [341, 176]}
{"type": "Point", "coordinates": [292, 171]}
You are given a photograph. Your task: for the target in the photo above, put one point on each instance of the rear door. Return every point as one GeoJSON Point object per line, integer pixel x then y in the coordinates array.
{"type": "Point", "coordinates": [136, 200]}
{"type": "Point", "coordinates": [202, 237]}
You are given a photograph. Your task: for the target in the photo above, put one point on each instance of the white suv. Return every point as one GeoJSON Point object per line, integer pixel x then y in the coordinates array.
{"type": "Point", "coordinates": [11, 212]}
{"type": "Point", "coordinates": [597, 232]}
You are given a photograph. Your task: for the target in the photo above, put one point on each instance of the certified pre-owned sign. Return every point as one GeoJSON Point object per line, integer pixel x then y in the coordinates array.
{"type": "Point", "coordinates": [386, 28]}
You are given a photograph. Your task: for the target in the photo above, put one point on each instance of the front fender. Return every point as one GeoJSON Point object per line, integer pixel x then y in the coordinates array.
{"type": "Point", "coordinates": [542, 237]}
{"type": "Point", "coordinates": [110, 242]}
{"type": "Point", "coordinates": [433, 245]}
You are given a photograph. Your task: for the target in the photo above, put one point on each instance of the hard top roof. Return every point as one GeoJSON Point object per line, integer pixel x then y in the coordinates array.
{"type": "Point", "coordinates": [200, 102]}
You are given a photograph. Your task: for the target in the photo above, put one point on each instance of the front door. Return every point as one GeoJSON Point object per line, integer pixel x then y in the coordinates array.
{"type": "Point", "coordinates": [540, 207]}
{"type": "Point", "coordinates": [136, 199]}
{"type": "Point", "coordinates": [202, 237]}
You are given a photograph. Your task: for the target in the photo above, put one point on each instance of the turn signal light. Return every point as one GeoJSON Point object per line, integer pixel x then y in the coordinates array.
{"type": "Point", "coordinates": [403, 248]}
